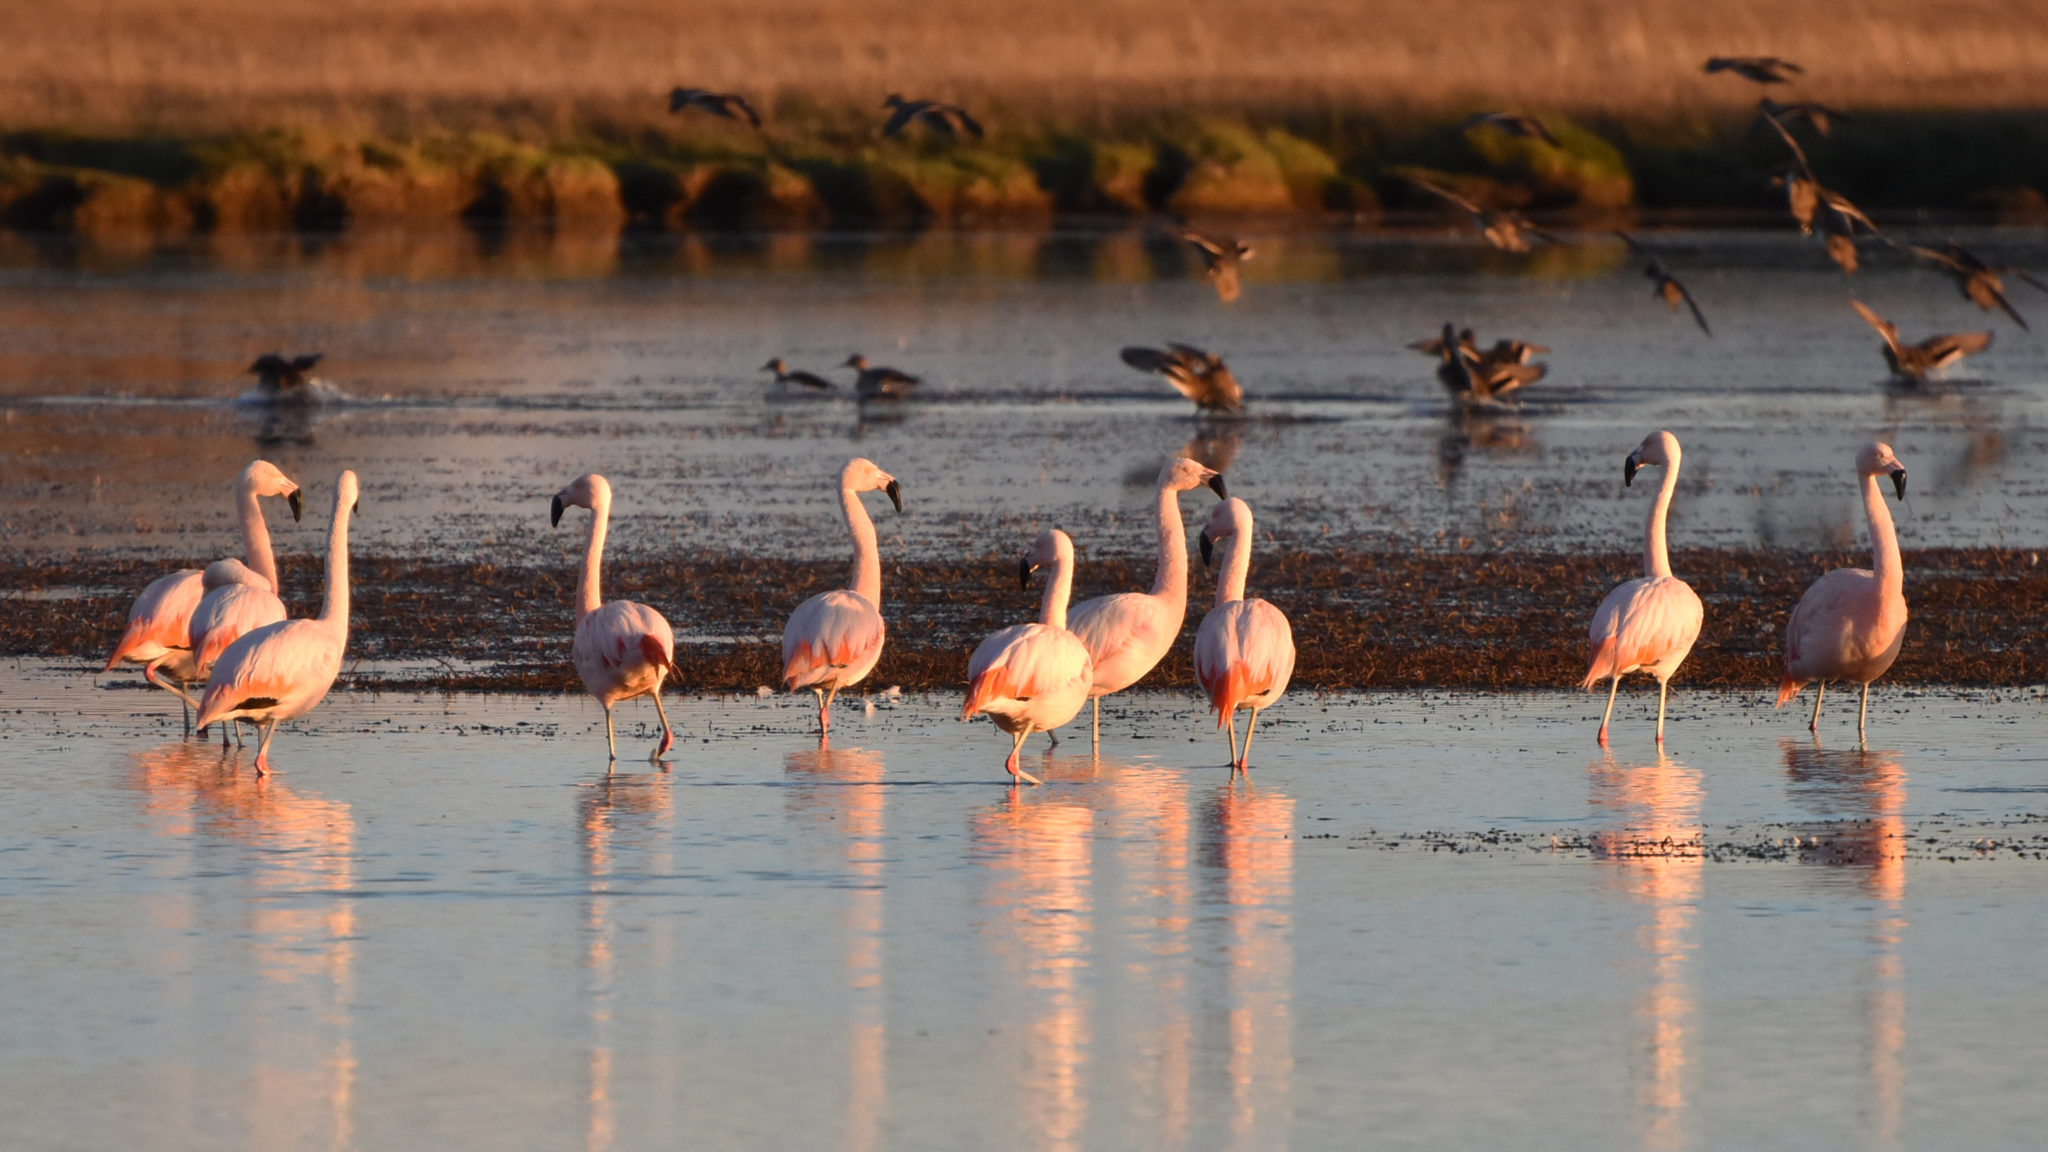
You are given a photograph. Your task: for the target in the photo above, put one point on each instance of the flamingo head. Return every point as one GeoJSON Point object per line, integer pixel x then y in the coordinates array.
{"type": "Point", "coordinates": [588, 491]}
{"type": "Point", "coordinates": [1052, 549]}
{"type": "Point", "coordinates": [1181, 474]}
{"type": "Point", "coordinates": [262, 478]}
{"type": "Point", "coordinates": [1658, 449]}
{"type": "Point", "coordinates": [346, 491]}
{"type": "Point", "coordinates": [1877, 460]}
{"type": "Point", "coordinates": [861, 475]}
{"type": "Point", "coordinates": [1231, 518]}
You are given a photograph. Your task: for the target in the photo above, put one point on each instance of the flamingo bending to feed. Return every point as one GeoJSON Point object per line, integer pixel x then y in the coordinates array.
{"type": "Point", "coordinates": [1244, 654]}
{"type": "Point", "coordinates": [1129, 633]}
{"type": "Point", "coordinates": [834, 639]}
{"type": "Point", "coordinates": [160, 634]}
{"type": "Point", "coordinates": [623, 649]}
{"type": "Point", "coordinates": [1647, 624]}
{"type": "Point", "coordinates": [1850, 623]}
{"type": "Point", "coordinates": [281, 671]}
{"type": "Point", "coordinates": [1033, 677]}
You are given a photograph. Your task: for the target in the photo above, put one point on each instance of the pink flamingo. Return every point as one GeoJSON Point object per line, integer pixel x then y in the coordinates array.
{"type": "Point", "coordinates": [1129, 633]}
{"type": "Point", "coordinates": [1850, 623]}
{"type": "Point", "coordinates": [834, 639]}
{"type": "Point", "coordinates": [281, 671]}
{"type": "Point", "coordinates": [239, 597]}
{"type": "Point", "coordinates": [1033, 677]}
{"type": "Point", "coordinates": [1244, 654]}
{"type": "Point", "coordinates": [623, 649]}
{"type": "Point", "coordinates": [159, 635]}
{"type": "Point", "coordinates": [1647, 624]}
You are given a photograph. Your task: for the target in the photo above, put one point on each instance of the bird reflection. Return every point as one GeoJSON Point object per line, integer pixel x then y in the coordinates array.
{"type": "Point", "coordinates": [1147, 819]}
{"type": "Point", "coordinates": [618, 811]}
{"type": "Point", "coordinates": [297, 852]}
{"type": "Point", "coordinates": [1501, 434]}
{"type": "Point", "coordinates": [841, 792]}
{"type": "Point", "coordinates": [1869, 787]}
{"type": "Point", "coordinates": [1035, 858]}
{"type": "Point", "coordinates": [1248, 858]}
{"type": "Point", "coordinates": [1657, 852]}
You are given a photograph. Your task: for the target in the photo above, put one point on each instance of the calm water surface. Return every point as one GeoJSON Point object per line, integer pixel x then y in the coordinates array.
{"type": "Point", "coordinates": [486, 374]}
{"type": "Point", "coordinates": [1437, 921]}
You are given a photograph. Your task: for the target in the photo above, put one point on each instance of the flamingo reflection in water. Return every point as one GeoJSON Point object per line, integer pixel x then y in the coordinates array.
{"type": "Point", "coordinates": [1147, 821]}
{"type": "Point", "coordinates": [633, 810]}
{"type": "Point", "coordinates": [839, 792]}
{"type": "Point", "coordinates": [1248, 868]}
{"type": "Point", "coordinates": [294, 854]}
{"type": "Point", "coordinates": [1656, 855]}
{"type": "Point", "coordinates": [1868, 787]}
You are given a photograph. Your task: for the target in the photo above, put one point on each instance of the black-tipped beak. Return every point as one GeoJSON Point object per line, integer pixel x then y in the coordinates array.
{"type": "Point", "coordinates": [355, 506]}
{"type": "Point", "coordinates": [1216, 485]}
{"type": "Point", "coordinates": [1208, 548]}
{"type": "Point", "coordinates": [895, 492]}
{"type": "Point", "coordinates": [1899, 482]}
{"type": "Point", "coordinates": [1024, 572]}
{"type": "Point", "coordinates": [1628, 470]}
{"type": "Point", "coordinates": [298, 505]}
{"type": "Point", "coordinates": [555, 513]}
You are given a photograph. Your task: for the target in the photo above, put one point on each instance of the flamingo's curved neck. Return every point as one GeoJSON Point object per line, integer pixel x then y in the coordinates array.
{"type": "Point", "coordinates": [256, 536]}
{"type": "Point", "coordinates": [1237, 564]}
{"type": "Point", "coordinates": [867, 561]}
{"type": "Point", "coordinates": [1170, 579]}
{"type": "Point", "coordinates": [1884, 540]}
{"type": "Point", "coordinates": [1052, 610]}
{"type": "Point", "coordinates": [1656, 559]}
{"type": "Point", "coordinates": [335, 609]}
{"type": "Point", "coordinates": [587, 598]}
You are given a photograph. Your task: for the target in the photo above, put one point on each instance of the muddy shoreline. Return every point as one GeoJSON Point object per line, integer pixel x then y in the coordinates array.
{"type": "Point", "coordinates": [1362, 620]}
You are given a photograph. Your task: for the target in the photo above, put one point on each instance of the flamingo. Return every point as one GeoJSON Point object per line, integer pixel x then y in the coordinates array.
{"type": "Point", "coordinates": [1244, 654]}
{"type": "Point", "coordinates": [1850, 623]}
{"type": "Point", "coordinates": [159, 635]}
{"type": "Point", "coordinates": [623, 649]}
{"type": "Point", "coordinates": [239, 597]}
{"type": "Point", "coordinates": [834, 639]}
{"type": "Point", "coordinates": [1033, 677]}
{"type": "Point", "coordinates": [281, 671]}
{"type": "Point", "coordinates": [1647, 624]}
{"type": "Point", "coordinates": [1129, 633]}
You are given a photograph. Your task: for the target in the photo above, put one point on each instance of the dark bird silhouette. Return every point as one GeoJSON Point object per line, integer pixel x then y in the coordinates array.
{"type": "Point", "coordinates": [730, 105]}
{"type": "Point", "coordinates": [1820, 116]}
{"type": "Point", "coordinates": [1221, 256]}
{"type": "Point", "coordinates": [1512, 123]}
{"type": "Point", "coordinates": [1479, 379]}
{"type": "Point", "coordinates": [949, 119]}
{"type": "Point", "coordinates": [282, 379]}
{"type": "Point", "coordinates": [1668, 288]}
{"type": "Point", "coordinates": [1762, 69]}
{"type": "Point", "coordinates": [1977, 279]}
{"type": "Point", "coordinates": [1200, 376]}
{"type": "Point", "coordinates": [879, 383]}
{"type": "Point", "coordinates": [1913, 362]}
{"type": "Point", "coordinates": [1505, 229]}
{"type": "Point", "coordinates": [784, 376]}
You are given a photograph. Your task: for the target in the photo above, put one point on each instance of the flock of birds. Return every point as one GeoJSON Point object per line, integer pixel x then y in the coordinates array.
{"type": "Point", "coordinates": [224, 627]}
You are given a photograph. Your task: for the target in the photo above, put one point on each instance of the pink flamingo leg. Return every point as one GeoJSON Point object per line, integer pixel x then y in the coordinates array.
{"type": "Point", "coordinates": [1017, 773]}
{"type": "Point", "coordinates": [1613, 686]}
{"type": "Point", "coordinates": [1820, 691]}
{"type": "Point", "coordinates": [1244, 763]}
{"type": "Point", "coordinates": [668, 738]}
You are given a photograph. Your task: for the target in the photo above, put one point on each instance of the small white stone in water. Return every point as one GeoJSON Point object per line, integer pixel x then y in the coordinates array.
{"type": "Point", "coordinates": [764, 692]}
{"type": "Point", "coordinates": [895, 692]}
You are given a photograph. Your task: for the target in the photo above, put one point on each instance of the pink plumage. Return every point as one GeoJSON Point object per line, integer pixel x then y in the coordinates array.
{"type": "Point", "coordinates": [1648, 624]}
{"type": "Point", "coordinates": [623, 650]}
{"type": "Point", "coordinates": [834, 639]}
{"type": "Point", "coordinates": [1033, 677]}
{"type": "Point", "coordinates": [1244, 653]}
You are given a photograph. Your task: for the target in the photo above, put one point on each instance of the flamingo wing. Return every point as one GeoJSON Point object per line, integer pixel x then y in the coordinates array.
{"type": "Point", "coordinates": [1245, 649]}
{"type": "Point", "coordinates": [160, 619]}
{"type": "Point", "coordinates": [228, 613]}
{"type": "Point", "coordinates": [1126, 636]}
{"type": "Point", "coordinates": [280, 670]}
{"type": "Point", "coordinates": [1834, 624]}
{"type": "Point", "coordinates": [1021, 663]}
{"type": "Point", "coordinates": [831, 632]}
{"type": "Point", "coordinates": [623, 646]}
{"type": "Point", "coordinates": [1644, 623]}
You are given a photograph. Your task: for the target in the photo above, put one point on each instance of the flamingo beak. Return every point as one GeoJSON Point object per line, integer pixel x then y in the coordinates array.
{"type": "Point", "coordinates": [1216, 485]}
{"type": "Point", "coordinates": [555, 514]}
{"type": "Point", "coordinates": [1628, 470]}
{"type": "Point", "coordinates": [1208, 548]}
{"type": "Point", "coordinates": [895, 492]}
{"type": "Point", "coordinates": [298, 506]}
{"type": "Point", "coordinates": [1899, 482]}
{"type": "Point", "coordinates": [1024, 573]}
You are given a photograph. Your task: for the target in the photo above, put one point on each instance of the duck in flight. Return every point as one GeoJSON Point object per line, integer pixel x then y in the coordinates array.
{"type": "Point", "coordinates": [1221, 256]}
{"type": "Point", "coordinates": [1915, 362]}
{"type": "Point", "coordinates": [730, 105]}
{"type": "Point", "coordinates": [948, 120]}
{"type": "Point", "coordinates": [1512, 123]}
{"type": "Point", "coordinates": [1976, 278]}
{"type": "Point", "coordinates": [1668, 288]}
{"type": "Point", "coordinates": [1505, 229]}
{"type": "Point", "coordinates": [1200, 376]}
{"type": "Point", "coordinates": [1762, 69]}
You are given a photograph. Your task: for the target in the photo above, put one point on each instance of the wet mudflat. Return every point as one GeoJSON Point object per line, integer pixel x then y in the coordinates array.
{"type": "Point", "coordinates": [1447, 917]}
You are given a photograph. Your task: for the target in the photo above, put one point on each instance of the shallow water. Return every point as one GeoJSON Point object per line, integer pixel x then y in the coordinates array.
{"type": "Point", "coordinates": [485, 376]}
{"type": "Point", "coordinates": [1442, 920]}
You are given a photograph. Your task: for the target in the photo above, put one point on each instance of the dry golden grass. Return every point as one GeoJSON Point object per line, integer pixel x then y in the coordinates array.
{"type": "Point", "coordinates": [554, 66]}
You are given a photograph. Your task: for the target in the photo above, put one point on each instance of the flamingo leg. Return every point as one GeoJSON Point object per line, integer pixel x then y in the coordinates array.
{"type": "Point", "coordinates": [1052, 741]}
{"type": "Point", "coordinates": [1862, 710]}
{"type": "Point", "coordinates": [1017, 773]}
{"type": "Point", "coordinates": [1613, 686]}
{"type": "Point", "coordinates": [825, 711]}
{"type": "Point", "coordinates": [1819, 692]}
{"type": "Point", "coordinates": [1095, 726]}
{"type": "Point", "coordinates": [1230, 729]}
{"type": "Point", "coordinates": [668, 738]}
{"type": "Point", "coordinates": [1661, 687]}
{"type": "Point", "coordinates": [185, 710]}
{"type": "Point", "coordinates": [1244, 763]}
{"type": "Point", "coordinates": [149, 674]}
{"type": "Point", "coordinates": [263, 735]}
{"type": "Point", "coordinates": [611, 742]}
